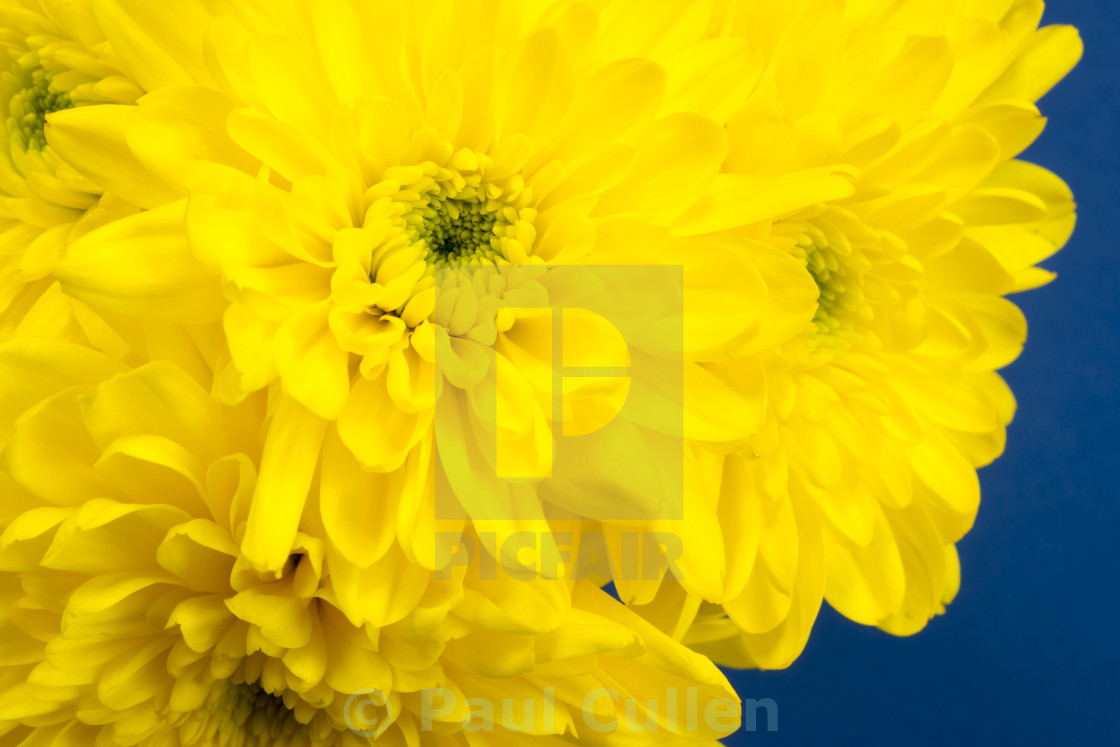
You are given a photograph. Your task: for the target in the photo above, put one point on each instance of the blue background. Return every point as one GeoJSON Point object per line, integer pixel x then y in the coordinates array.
{"type": "Point", "coordinates": [1028, 653]}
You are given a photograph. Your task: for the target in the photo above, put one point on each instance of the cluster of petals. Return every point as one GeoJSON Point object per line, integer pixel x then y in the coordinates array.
{"type": "Point", "coordinates": [287, 288]}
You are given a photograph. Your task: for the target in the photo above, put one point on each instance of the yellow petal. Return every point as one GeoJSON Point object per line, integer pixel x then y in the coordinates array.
{"type": "Point", "coordinates": [535, 88]}
{"type": "Point", "coordinates": [381, 594]}
{"type": "Point", "coordinates": [632, 28]}
{"type": "Point", "coordinates": [866, 584]}
{"type": "Point", "coordinates": [291, 86]}
{"type": "Point", "coordinates": [279, 145]}
{"type": "Point", "coordinates": [1048, 56]}
{"type": "Point", "coordinates": [931, 572]}
{"type": "Point", "coordinates": [144, 466]}
{"type": "Point", "coordinates": [36, 369]}
{"type": "Point", "coordinates": [678, 156]}
{"type": "Point", "coordinates": [778, 648]}
{"type": "Point", "coordinates": [359, 508]}
{"type": "Point", "coordinates": [355, 66]}
{"type": "Point", "coordinates": [93, 139]}
{"type": "Point", "coordinates": [161, 44]}
{"type": "Point", "coordinates": [157, 399]}
{"type": "Point", "coordinates": [106, 537]}
{"type": "Point", "coordinates": [712, 78]}
{"type": "Point", "coordinates": [940, 465]}
{"type": "Point", "coordinates": [723, 291]}
{"type": "Point", "coordinates": [142, 266]}
{"type": "Point", "coordinates": [200, 553]}
{"type": "Point", "coordinates": [283, 619]}
{"type": "Point", "coordinates": [291, 454]}
{"type": "Point", "coordinates": [375, 430]}
{"type": "Point", "coordinates": [177, 126]}
{"type": "Point", "coordinates": [51, 455]}
{"type": "Point", "coordinates": [611, 103]}
{"type": "Point", "coordinates": [315, 370]}
{"type": "Point", "coordinates": [739, 200]}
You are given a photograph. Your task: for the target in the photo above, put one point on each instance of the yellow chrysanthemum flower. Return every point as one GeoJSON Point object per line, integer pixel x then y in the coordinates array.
{"type": "Point", "coordinates": [387, 224]}
{"type": "Point", "coordinates": [862, 475]}
{"type": "Point", "coordinates": [53, 57]}
{"type": "Point", "coordinates": [360, 254]}
{"type": "Point", "coordinates": [130, 616]}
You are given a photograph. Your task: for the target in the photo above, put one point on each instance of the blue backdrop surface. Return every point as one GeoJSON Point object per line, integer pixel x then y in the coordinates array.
{"type": "Point", "coordinates": [1029, 653]}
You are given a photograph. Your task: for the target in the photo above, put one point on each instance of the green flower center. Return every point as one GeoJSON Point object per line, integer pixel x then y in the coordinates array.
{"type": "Point", "coordinates": [258, 715]}
{"type": "Point", "coordinates": [30, 107]}
{"type": "Point", "coordinates": [828, 274]}
{"type": "Point", "coordinates": [456, 231]}
{"type": "Point", "coordinates": [841, 306]}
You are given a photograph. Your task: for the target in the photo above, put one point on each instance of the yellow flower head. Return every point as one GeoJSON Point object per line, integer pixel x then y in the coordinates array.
{"type": "Point", "coordinates": [53, 57]}
{"type": "Point", "coordinates": [862, 475]}
{"type": "Point", "coordinates": [390, 227]}
{"type": "Point", "coordinates": [352, 301]}
{"type": "Point", "coordinates": [130, 616]}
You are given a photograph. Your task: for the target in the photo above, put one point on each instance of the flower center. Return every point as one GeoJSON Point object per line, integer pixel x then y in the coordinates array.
{"type": "Point", "coordinates": [828, 274]}
{"type": "Point", "coordinates": [29, 108]}
{"type": "Point", "coordinates": [841, 304]}
{"type": "Point", "coordinates": [455, 217]}
{"type": "Point", "coordinates": [438, 234]}
{"type": "Point", "coordinates": [457, 231]}
{"type": "Point", "coordinates": [257, 716]}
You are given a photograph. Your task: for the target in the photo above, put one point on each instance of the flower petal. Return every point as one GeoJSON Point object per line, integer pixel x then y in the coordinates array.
{"type": "Point", "coordinates": [142, 266]}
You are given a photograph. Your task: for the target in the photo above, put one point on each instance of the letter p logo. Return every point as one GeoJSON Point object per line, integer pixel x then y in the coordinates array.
{"type": "Point", "coordinates": [582, 405]}
{"type": "Point", "coordinates": [587, 381]}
